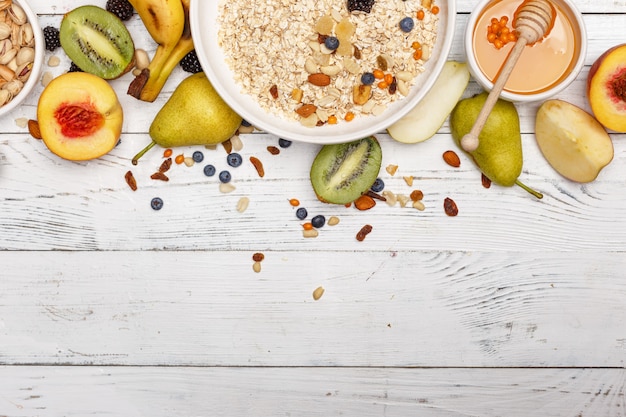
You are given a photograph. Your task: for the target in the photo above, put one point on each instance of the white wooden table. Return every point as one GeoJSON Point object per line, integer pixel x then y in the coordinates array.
{"type": "Point", "coordinates": [515, 307]}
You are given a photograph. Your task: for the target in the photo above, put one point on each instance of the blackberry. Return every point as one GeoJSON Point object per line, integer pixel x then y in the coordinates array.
{"type": "Point", "coordinates": [360, 5]}
{"type": "Point", "coordinates": [51, 36]}
{"type": "Point", "coordinates": [74, 68]}
{"type": "Point", "coordinates": [120, 8]}
{"type": "Point", "coordinates": [190, 63]}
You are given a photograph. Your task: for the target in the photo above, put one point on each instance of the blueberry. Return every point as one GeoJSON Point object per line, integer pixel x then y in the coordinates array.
{"type": "Point", "coordinates": [209, 170]}
{"type": "Point", "coordinates": [156, 203]}
{"type": "Point", "coordinates": [318, 221]}
{"type": "Point", "coordinates": [331, 42]}
{"type": "Point", "coordinates": [234, 159]}
{"type": "Point", "coordinates": [284, 143]}
{"type": "Point", "coordinates": [367, 78]}
{"type": "Point", "coordinates": [301, 213]}
{"type": "Point", "coordinates": [406, 24]}
{"type": "Point", "coordinates": [225, 176]}
{"type": "Point", "coordinates": [378, 185]}
{"type": "Point", "coordinates": [197, 156]}
{"type": "Point", "coordinates": [245, 123]}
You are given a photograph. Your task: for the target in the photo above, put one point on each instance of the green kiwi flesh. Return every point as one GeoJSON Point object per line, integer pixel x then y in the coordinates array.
{"type": "Point", "coordinates": [342, 172]}
{"type": "Point", "coordinates": [97, 42]}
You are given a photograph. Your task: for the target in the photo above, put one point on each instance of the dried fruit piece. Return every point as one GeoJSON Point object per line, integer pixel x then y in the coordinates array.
{"type": "Point", "coordinates": [130, 180]}
{"type": "Point", "coordinates": [258, 257]}
{"type": "Point", "coordinates": [361, 94]}
{"type": "Point", "coordinates": [452, 159]}
{"type": "Point", "coordinates": [165, 165]}
{"type": "Point", "coordinates": [274, 91]}
{"type": "Point", "coordinates": [416, 195]}
{"type": "Point", "coordinates": [391, 169]}
{"type": "Point", "coordinates": [485, 180]}
{"type": "Point", "coordinates": [365, 230]}
{"type": "Point", "coordinates": [324, 26]}
{"type": "Point", "coordinates": [450, 207]}
{"type": "Point", "coordinates": [258, 165]}
{"type": "Point", "coordinates": [273, 150]}
{"type": "Point", "coordinates": [159, 176]}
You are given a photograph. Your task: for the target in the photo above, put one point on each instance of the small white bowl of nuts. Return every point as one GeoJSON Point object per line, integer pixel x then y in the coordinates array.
{"type": "Point", "coordinates": [21, 53]}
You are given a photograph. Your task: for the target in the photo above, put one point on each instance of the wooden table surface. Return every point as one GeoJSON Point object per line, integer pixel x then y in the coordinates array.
{"type": "Point", "coordinates": [515, 307]}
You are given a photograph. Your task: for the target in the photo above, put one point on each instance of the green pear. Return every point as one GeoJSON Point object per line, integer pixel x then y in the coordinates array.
{"type": "Point", "coordinates": [194, 114]}
{"type": "Point", "coordinates": [499, 153]}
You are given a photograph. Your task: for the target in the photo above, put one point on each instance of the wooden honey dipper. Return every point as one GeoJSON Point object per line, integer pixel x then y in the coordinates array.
{"type": "Point", "coordinates": [533, 21]}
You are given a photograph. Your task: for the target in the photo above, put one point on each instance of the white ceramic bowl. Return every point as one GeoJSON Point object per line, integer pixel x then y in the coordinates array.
{"type": "Point", "coordinates": [573, 15]}
{"type": "Point", "coordinates": [40, 48]}
{"type": "Point", "coordinates": [204, 28]}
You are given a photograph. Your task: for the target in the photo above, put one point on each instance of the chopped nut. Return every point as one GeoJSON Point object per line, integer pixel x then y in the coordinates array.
{"type": "Point", "coordinates": [333, 221]}
{"type": "Point", "coordinates": [402, 199]}
{"type": "Point", "coordinates": [189, 161]}
{"type": "Point", "coordinates": [390, 198]}
{"type": "Point", "coordinates": [256, 267]}
{"type": "Point", "coordinates": [54, 61]}
{"type": "Point", "coordinates": [226, 187]}
{"type": "Point", "coordinates": [408, 180]}
{"type": "Point", "coordinates": [242, 204]}
{"type": "Point", "coordinates": [21, 122]}
{"type": "Point", "coordinates": [419, 205]}
{"type": "Point", "coordinates": [237, 143]}
{"type": "Point", "coordinates": [310, 233]}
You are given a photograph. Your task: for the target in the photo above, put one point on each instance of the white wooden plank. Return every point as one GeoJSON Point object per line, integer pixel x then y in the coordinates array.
{"type": "Point", "coordinates": [391, 308]}
{"type": "Point", "coordinates": [238, 392]}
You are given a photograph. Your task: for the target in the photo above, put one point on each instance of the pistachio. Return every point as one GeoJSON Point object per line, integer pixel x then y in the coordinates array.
{"type": "Point", "coordinates": [26, 36]}
{"type": "Point", "coordinates": [24, 71]}
{"type": "Point", "coordinates": [5, 96]}
{"type": "Point", "coordinates": [5, 4]}
{"type": "Point", "coordinates": [8, 56]}
{"type": "Point", "coordinates": [24, 55]}
{"type": "Point", "coordinates": [17, 14]}
{"type": "Point", "coordinates": [14, 87]}
{"type": "Point", "coordinates": [6, 73]}
{"type": "Point", "coordinates": [5, 30]}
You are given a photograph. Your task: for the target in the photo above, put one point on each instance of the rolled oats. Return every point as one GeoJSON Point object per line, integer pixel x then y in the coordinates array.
{"type": "Point", "coordinates": [269, 40]}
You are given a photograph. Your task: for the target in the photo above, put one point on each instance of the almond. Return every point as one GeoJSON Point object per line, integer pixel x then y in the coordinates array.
{"type": "Point", "coordinates": [33, 129]}
{"type": "Point", "coordinates": [364, 202]}
{"type": "Point", "coordinates": [452, 159]}
{"type": "Point", "coordinates": [306, 110]}
{"type": "Point", "coordinates": [319, 79]}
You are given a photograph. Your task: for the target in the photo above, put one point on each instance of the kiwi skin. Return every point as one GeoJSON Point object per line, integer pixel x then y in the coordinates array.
{"type": "Point", "coordinates": [97, 41]}
{"type": "Point", "coordinates": [340, 173]}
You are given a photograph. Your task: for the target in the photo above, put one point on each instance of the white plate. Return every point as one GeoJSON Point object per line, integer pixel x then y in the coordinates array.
{"type": "Point", "coordinates": [204, 30]}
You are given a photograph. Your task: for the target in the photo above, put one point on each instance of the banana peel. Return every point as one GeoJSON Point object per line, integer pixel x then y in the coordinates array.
{"type": "Point", "coordinates": [148, 84]}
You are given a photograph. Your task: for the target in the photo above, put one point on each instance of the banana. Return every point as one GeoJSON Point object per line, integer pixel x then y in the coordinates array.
{"type": "Point", "coordinates": [165, 20]}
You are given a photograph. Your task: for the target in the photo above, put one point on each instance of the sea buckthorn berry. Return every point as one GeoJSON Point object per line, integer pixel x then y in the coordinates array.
{"type": "Point", "coordinates": [378, 74]}
{"type": "Point", "coordinates": [388, 78]}
{"type": "Point", "coordinates": [420, 15]}
{"type": "Point", "coordinates": [332, 120]}
{"type": "Point", "coordinates": [417, 54]}
{"type": "Point", "coordinates": [416, 45]}
{"type": "Point", "coordinates": [383, 84]}
{"type": "Point", "coordinates": [349, 116]}
{"type": "Point", "coordinates": [294, 202]}
{"type": "Point", "coordinates": [307, 226]}
{"type": "Point", "coordinates": [434, 10]}
{"type": "Point", "coordinates": [167, 153]}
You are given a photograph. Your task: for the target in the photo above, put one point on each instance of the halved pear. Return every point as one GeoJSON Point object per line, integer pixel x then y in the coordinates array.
{"type": "Point", "coordinates": [573, 142]}
{"type": "Point", "coordinates": [427, 117]}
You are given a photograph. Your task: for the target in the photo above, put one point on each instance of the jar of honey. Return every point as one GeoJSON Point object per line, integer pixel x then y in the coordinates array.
{"type": "Point", "coordinates": [543, 68]}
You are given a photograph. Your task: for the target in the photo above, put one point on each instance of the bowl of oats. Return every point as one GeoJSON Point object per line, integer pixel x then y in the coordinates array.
{"type": "Point", "coordinates": [322, 71]}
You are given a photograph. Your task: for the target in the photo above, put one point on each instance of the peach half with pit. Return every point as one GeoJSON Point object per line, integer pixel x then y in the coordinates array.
{"type": "Point", "coordinates": [79, 116]}
{"type": "Point", "coordinates": [606, 88]}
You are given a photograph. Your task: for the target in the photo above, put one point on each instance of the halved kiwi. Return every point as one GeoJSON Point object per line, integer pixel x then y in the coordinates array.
{"type": "Point", "coordinates": [342, 172]}
{"type": "Point", "coordinates": [97, 41]}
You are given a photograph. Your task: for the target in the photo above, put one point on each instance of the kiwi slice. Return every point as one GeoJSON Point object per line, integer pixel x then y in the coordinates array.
{"type": "Point", "coordinates": [97, 41]}
{"type": "Point", "coordinates": [342, 172]}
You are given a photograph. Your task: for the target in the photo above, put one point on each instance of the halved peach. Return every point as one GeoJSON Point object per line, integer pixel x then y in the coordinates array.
{"type": "Point", "coordinates": [80, 116]}
{"type": "Point", "coordinates": [606, 88]}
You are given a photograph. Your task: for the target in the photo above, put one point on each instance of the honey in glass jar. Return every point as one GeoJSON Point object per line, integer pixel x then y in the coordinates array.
{"type": "Point", "coordinates": [541, 65]}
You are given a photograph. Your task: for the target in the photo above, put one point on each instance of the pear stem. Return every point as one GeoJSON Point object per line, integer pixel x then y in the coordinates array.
{"type": "Point", "coordinates": [530, 190]}
{"type": "Point", "coordinates": [143, 152]}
